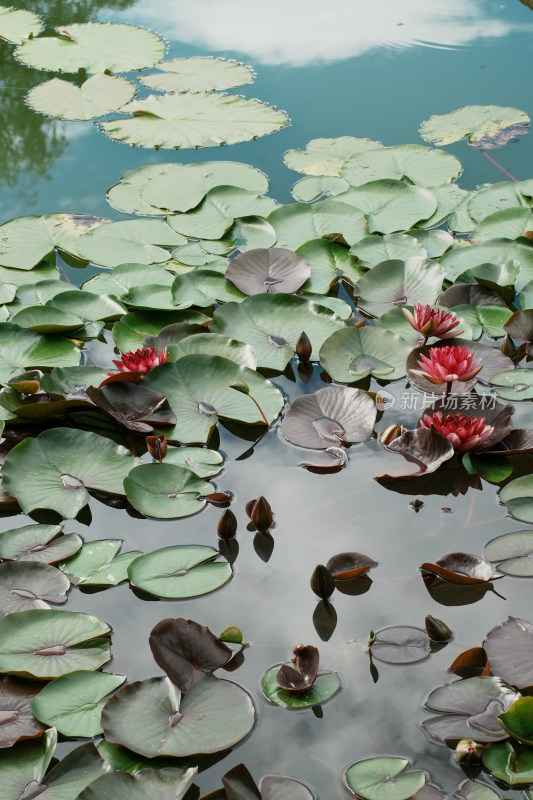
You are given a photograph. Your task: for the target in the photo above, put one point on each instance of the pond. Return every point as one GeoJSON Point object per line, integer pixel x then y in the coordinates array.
{"type": "Point", "coordinates": [342, 69]}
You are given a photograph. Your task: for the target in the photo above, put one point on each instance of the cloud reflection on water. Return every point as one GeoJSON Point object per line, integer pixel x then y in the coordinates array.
{"type": "Point", "coordinates": [282, 32]}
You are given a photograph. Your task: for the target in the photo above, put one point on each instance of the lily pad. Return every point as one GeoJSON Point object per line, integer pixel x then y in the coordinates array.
{"type": "Point", "coordinates": [518, 720]}
{"type": "Point", "coordinates": [16, 24]}
{"type": "Point", "coordinates": [400, 644]}
{"type": "Point", "coordinates": [423, 166]}
{"type": "Point", "coordinates": [389, 205]}
{"type": "Point", "coordinates": [499, 251]}
{"type": "Point", "coordinates": [327, 156]}
{"type": "Point", "coordinates": [513, 552]}
{"type": "Point", "coordinates": [79, 768]}
{"type": "Point", "coordinates": [373, 250]}
{"type": "Point", "coordinates": [298, 223]}
{"type": "Point", "coordinates": [63, 464]}
{"type": "Point", "coordinates": [511, 223]}
{"type": "Point", "coordinates": [38, 543]}
{"type": "Point", "coordinates": [424, 447]}
{"type": "Point", "coordinates": [486, 127]}
{"type": "Point", "coordinates": [71, 380]}
{"type": "Point", "coordinates": [95, 47]}
{"type": "Point", "coordinates": [129, 241]}
{"type": "Point", "coordinates": [330, 263]}
{"type": "Point", "coordinates": [462, 568]}
{"type": "Point", "coordinates": [21, 349]}
{"type": "Point", "coordinates": [517, 495]}
{"type": "Point", "coordinates": [45, 644]}
{"type": "Point", "coordinates": [99, 95]}
{"type": "Point", "coordinates": [326, 686]}
{"type": "Point", "coordinates": [452, 207]}
{"type": "Point", "coordinates": [471, 709]}
{"type": "Point", "coordinates": [329, 417]}
{"type": "Point", "coordinates": [351, 354]}
{"type": "Point", "coordinates": [313, 187]}
{"type": "Point", "coordinates": [384, 778]}
{"type": "Point", "coordinates": [130, 332]}
{"type": "Point", "coordinates": [200, 460]}
{"type": "Point", "coordinates": [496, 197]}
{"type": "Point", "coordinates": [268, 270]}
{"type": "Point", "coordinates": [120, 280]}
{"type": "Point", "coordinates": [199, 74]}
{"type": "Point", "coordinates": [134, 406]}
{"type": "Point", "coordinates": [25, 585]}
{"type": "Point", "coordinates": [18, 721]}
{"type": "Point", "coordinates": [167, 783]}
{"type": "Point", "coordinates": [194, 119]}
{"type": "Point", "coordinates": [208, 344]}
{"type": "Point", "coordinates": [395, 283]}
{"type": "Point", "coordinates": [152, 717]}
{"type": "Point", "coordinates": [73, 703]}
{"type": "Point", "coordinates": [509, 648]}
{"type": "Point", "coordinates": [509, 762]}
{"type": "Point", "coordinates": [181, 571]}
{"type": "Point", "coordinates": [24, 765]}
{"type": "Point", "coordinates": [98, 564]}
{"type": "Point", "coordinates": [165, 491]}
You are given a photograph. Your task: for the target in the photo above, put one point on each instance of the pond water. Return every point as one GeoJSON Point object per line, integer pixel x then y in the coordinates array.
{"type": "Point", "coordinates": [341, 68]}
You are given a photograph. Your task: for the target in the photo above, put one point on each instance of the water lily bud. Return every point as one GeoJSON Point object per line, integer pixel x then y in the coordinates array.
{"type": "Point", "coordinates": [261, 514]}
{"type": "Point", "coordinates": [322, 582]}
{"type": "Point", "coordinates": [227, 525]}
{"type": "Point", "coordinates": [507, 346]}
{"type": "Point", "coordinates": [437, 629]}
{"type": "Point", "coordinates": [157, 446]}
{"type": "Point", "coordinates": [389, 434]}
{"type": "Point", "coordinates": [468, 750]}
{"type": "Point", "coordinates": [304, 347]}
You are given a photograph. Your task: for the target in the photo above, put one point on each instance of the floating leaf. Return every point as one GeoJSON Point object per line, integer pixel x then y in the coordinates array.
{"type": "Point", "coordinates": [181, 571]}
{"type": "Point", "coordinates": [268, 270]}
{"type": "Point", "coordinates": [513, 552]}
{"type": "Point", "coordinates": [326, 685]}
{"type": "Point", "coordinates": [79, 768]}
{"type": "Point", "coordinates": [517, 495]}
{"type": "Point", "coordinates": [129, 241]}
{"type": "Point", "coordinates": [509, 648]}
{"type": "Point", "coordinates": [423, 166]}
{"type": "Point", "coordinates": [187, 651]}
{"type": "Point", "coordinates": [152, 718]}
{"type": "Point", "coordinates": [25, 585]}
{"type": "Point", "coordinates": [509, 762]}
{"type": "Point", "coordinates": [130, 332]}
{"type": "Point", "coordinates": [98, 564]}
{"type": "Point", "coordinates": [18, 721]}
{"type": "Point", "coordinates": [384, 778]}
{"type": "Point", "coordinates": [327, 156]}
{"type": "Point", "coordinates": [21, 349]}
{"type": "Point", "coordinates": [329, 417]}
{"type": "Point", "coordinates": [390, 205]}
{"type": "Point", "coordinates": [511, 223]}
{"type": "Point", "coordinates": [400, 644]}
{"type": "Point", "coordinates": [25, 764]}
{"type": "Point", "coordinates": [301, 679]}
{"type": "Point", "coordinates": [313, 187]}
{"type": "Point", "coordinates": [179, 120]}
{"type": "Point", "coordinates": [298, 223]}
{"type": "Point", "coordinates": [511, 255]}
{"type": "Point", "coordinates": [486, 127]}
{"type": "Point", "coordinates": [99, 95]}
{"type": "Point", "coordinates": [351, 354]}
{"type": "Point", "coordinates": [518, 720]}
{"type": "Point", "coordinates": [496, 197]}
{"type": "Point", "coordinates": [134, 406]}
{"type": "Point", "coordinates": [399, 283]}
{"type": "Point", "coordinates": [330, 263]}
{"type": "Point", "coordinates": [17, 24]}
{"type": "Point", "coordinates": [44, 644]}
{"type": "Point", "coordinates": [73, 703]}
{"type": "Point", "coordinates": [165, 491]}
{"type": "Point", "coordinates": [203, 462]}
{"type": "Point", "coordinates": [471, 708]}
{"type": "Point", "coordinates": [38, 543]}
{"type": "Point", "coordinates": [164, 784]}
{"type": "Point", "coordinates": [346, 566]}
{"type": "Point", "coordinates": [217, 212]}
{"type": "Point", "coordinates": [94, 47]}
{"type": "Point", "coordinates": [199, 74]}
{"type": "Point", "coordinates": [462, 568]}
{"type": "Point", "coordinates": [63, 464]}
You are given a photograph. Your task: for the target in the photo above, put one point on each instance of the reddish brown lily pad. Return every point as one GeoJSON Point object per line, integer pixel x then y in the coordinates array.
{"type": "Point", "coordinates": [471, 663]}
{"type": "Point", "coordinates": [306, 658]}
{"type": "Point", "coordinates": [16, 717]}
{"type": "Point", "coordinates": [462, 568]}
{"type": "Point", "coordinates": [345, 566]}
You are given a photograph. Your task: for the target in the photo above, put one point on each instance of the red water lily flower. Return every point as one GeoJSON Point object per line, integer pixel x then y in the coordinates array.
{"type": "Point", "coordinates": [447, 364]}
{"type": "Point", "coordinates": [432, 321]}
{"type": "Point", "coordinates": [464, 433]}
{"type": "Point", "coordinates": [142, 360]}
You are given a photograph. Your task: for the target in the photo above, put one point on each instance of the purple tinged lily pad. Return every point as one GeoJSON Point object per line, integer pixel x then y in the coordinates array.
{"type": "Point", "coordinates": [463, 568]}
{"type": "Point", "coordinates": [40, 543]}
{"type": "Point", "coordinates": [520, 325]}
{"type": "Point", "coordinates": [168, 783]}
{"type": "Point", "coordinates": [400, 644]}
{"type": "Point", "coordinates": [329, 417]}
{"type": "Point", "coordinates": [469, 294]}
{"type": "Point", "coordinates": [345, 566]}
{"type": "Point", "coordinates": [470, 709]}
{"type": "Point", "coordinates": [272, 269]}
{"type": "Point", "coordinates": [134, 406]}
{"type": "Point", "coordinates": [28, 584]}
{"type": "Point", "coordinates": [332, 458]}
{"type": "Point", "coordinates": [424, 447]}
{"type": "Point", "coordinates": [16, 717]}
{"type": "Point", "coordinates": [513, 552]}
{"type": "Point", "coordinates": [509, 648]}
{"type": "Point", "coordinates": [306, 658]}
{"type": "Point", "coordinates": [187, 651]}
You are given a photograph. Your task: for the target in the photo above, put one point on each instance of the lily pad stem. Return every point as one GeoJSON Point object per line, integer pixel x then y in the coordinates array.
{"type": "Point", "coordinates": [260, 410]}
{"type": "Point", "coordinates": [448, 389]}
{"type": "Point", "coordinates": [493, 161]}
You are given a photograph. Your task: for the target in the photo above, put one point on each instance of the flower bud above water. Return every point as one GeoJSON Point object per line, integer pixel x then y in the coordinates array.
{"type": "Point", "coordinates": [322, 582]}
{"type": "Point", "coordinates": [260, 513]}
{"type": "Point", "coordinates": [304, 347]}
{"type": "Point", "coordinates": [389, 434]}
{"type": "Point", "coordinates": [437, 629]}
{"type": "Point", "coordinates": [227, 525]}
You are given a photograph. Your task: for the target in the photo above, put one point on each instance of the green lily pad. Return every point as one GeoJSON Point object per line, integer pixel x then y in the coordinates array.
{"type": "Point", "coordinates": [18, 720]}
{"type": "Point", "coordinates": [45, 319]}
{"type": "Point", "coordinates": [473, 790]}
{"type": "Point", "coordinates": [38, 293]}
{"type": "Point", "coordinates": [485, 127]}
{"type": "Point", "coordinates": [178, 572]}
{"type": "Point", "coordinates": [212, 344]}
{"type": "Point", "coordinates": [194, 255]}
{"type": "Point", "coordinates": [39, 543]}
{"type": "Point", "coordinates": [194, 119]}
{"type": "Point", "coordinates": [518, 720]}
{"type": "Point", "coordinates": [400, 644]}
{"type": "Point", "coordinates": [161, 784]}
{"type": "Point", "coordinates": [313, 187]}
{"type": "Point", "coordinates": [384, 778]}
{"type": "Point", "coordinates": [73, 703]}
{"type": "Point", "coordinates": [217, 212]}
{"type": "Point", "coordinates": [399, 283]}
{"type": "Point", "coordinates": [516, 384]}
{"type": "Point", "coordinates": [327, 156]}
{"type": "Point", "coordinates": [526, 296]}
{"type": "Point", "coordinates": [200, 460]}
{"type": "Point", "coordinates": [17, 24]}
{"type": "Point", "coordinates": [453, 204]}
{"type": "Point", "coordinates": [22, 349]}
{"type": "Point", "coordinates": [507, 224]}
{"type": "Point", "coordinates": [95, 47]}
{"type": "Point", "coordinates": [152, 718]}
{"type": "Point", "coordinates": [272, 325]}
{"type": "Point", "coordinates": [298, 223]}
{"type": "Point", "coordinates": [71, 380]}
{"type": "Point", "coordinates": [123, 760]}
{"type": "Point", "coordinates": [249, 232]}
{"type": "Point", "coordinates": [25, 764]}
{"type": "Point", "coordinates": [499, 251]}
{"type": "Point", "coordinates": [165, 491]}
{"type": "Point", "coordinates": [200, 74]}
{"type": "Point", "coordinates": [351, 354]}
{"type": "Point", "coordinates": [130, 332]}
{"type": "Point", "coordinates": [330, 262]}
{"type": "Point", "coordinates": [489, 318]}
{"type": "Point", "coordinates": [373, 250]}
{"type": "Point", "coordinates": [98, 564]}
{"type": "Point", "coordinates": [396, 321]}
{"type": "Point", "coordinates": [129, 241]}
{"type": "Point", "coordinates": [73, 774]}
{"type": "Point", "coordinates": [326, 686]}
{"type": "Point", "coordinates": [119, 281]}
{"type": "Point", "coordinates": [202, 288]}
{"type": "Point", "coordinates": [63, 464]}
{"type": "Point", "coordinates": [509, 762]}
{"type": "Point", "coordinates": [99, 95]}
{"type": "Point", "coordinates": [423, 166]}
{"type": "Point", "coordinates": [517, 495]}
{"type": "Point", "coordinates": [44, 644]}
{"type": "Point", "coordinates": [25, 585]}
{"type": "Point", "coordinates": [389, 205]}
{"type": "Point", "coordinates": [88, 305]}
{"type": "Point", "coordinates": [513, 552]}
{"type": "Point", "coordinates": [497, 197]}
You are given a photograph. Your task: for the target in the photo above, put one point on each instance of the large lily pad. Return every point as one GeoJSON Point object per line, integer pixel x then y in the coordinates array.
{"type": "Point", "coordinates": [351, 354]}
{"type": "Point", "coordinates": [194, 119]}
{"type": "Point", "coordinates": [513, 552]}
{"type": "Point", "coordinates": [325, 686]}
{"type": "Point", "coordinates": [390, 205]}
{"type": "Point", "coordinates": [496, 197]}
{"type": "Point", "coordinates": [24, 765]}
{"type": "Point", "coordinates": [518, 720]}
{"type": "Point", "coordinates": [200, 460]}
{"type": "Point", "coordinates": [268, 270]}
{"type": "Point", "coordinates": [509, 648]}
{"type": "Point", "coordinates": [166, 491]}
{"type": "Point", "coordinates": [384, 778]}
{"type": "Point", "coordinates": [198, 74]}
{"type": "Point", "coordinates": [130, 332]}
{"type": "Point", "coordinates": [129, 241]}
{"type": "Point", "coordinates": [330, 262]}
{"type": "Point", "coordinates": [167, 783]}
{"type": "Point", "coordinates": [55, 470]}
{"type": "Point", "coordinates": [499, 251]}
{"type": "Point", "coordinates": [313, 187]}
{"type": "Point", "coordinates": [39, 543]}
{"type": "Point", "coordinates": [399, 283]}
{"type": "Point", "coordinates": [18, 721]}
{"type": "Point", "coordinates": [21, 349]}
{"type": "Point", "coordinates": [400, 644]}
{"type": "Point", "coordinates": [16, 24]}
{"type": "Point", "coordinates": [486, 127]}
{"type": "Point", "coordinates": [134, 406]}
{"type": "Point", "coordinates": [98, 564]}
{"type": "Point", "coordinates": [120, 280]}
{"type": "Point", "coordinates": [298, 223]}
{"type": "Point", "coordinates": [99, 95]}
{"type": "Point", "coordinates": [181, 571]}
{"type": "Point", "coordinates": [471, 709]}
{"type": "Point", "coordinates": [209, 344]}
{"type": "Point", "coordinates": [45, 644]}
{"type": "Point", "coordinates": [272, 324]}
{"type": "Point", "coordinates": [517, 495]}
{"type": "Point", "coordinates": [327, 156]}
{"type": "Point", "coordinates": [25, 585]}
{"type": "Point", "coordinates": [423, 166]}
{"type": "Point", "coordinates": [509, 762]}
{"type": "Point", "coordinates": [94, 47]}
{"type": "Point", "coordinates": [152, 718]}
{"type": "Point", "coordinates": [329, 417]}
{"type": "Point", "coordinates": [79, 768]}
{"type": "Point", "coordinates": [511, 223]}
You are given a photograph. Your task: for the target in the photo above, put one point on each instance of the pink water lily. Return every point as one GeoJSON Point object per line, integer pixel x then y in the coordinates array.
{"type": "Point", "coordinates": [464, 433]}
{"type": "Point", "coordinates": [447, 364]}
{"type": "Point", "coordinates": [432, 321]}
{"type": "Point", "coordinates": [142, 360]}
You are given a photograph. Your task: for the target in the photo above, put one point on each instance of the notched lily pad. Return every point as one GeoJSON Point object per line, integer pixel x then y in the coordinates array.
{"type": "Point", "coordinates": [98, 563]}
{"type": "Point", "coordinates": [509, 648]}
{"type": "Point", "coordinates": [25, 585]}
{"type": "Point", "coordinates": [513, 553]}
{"type": "Point", "coordinates": [400, 644]}
{"type": "Point", "coordinates": [462, 568]}
{"type": "Point", "coordinates": [325, 686]}
{"type": "Point", "coordinates": [268, 270]}
{"type": "Point", "coordinates": [181, 571]}
{"type": "Point", "coordinates": [166, 491]}
{"type": "Point", "coordinates": [134, 406]}
{"type": "Point", "coordinates": [384, 778]}
{"type": "Point", "coordinates": [304, 674]}
{"type": "Point", "coordinates": [486, 127]}
{"type": "Point", "coordinates": [39, 543]}
{"type": "Point", "coordinates": [18, 721]}
{"type": "Point", "coordinates": [345, 566]}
